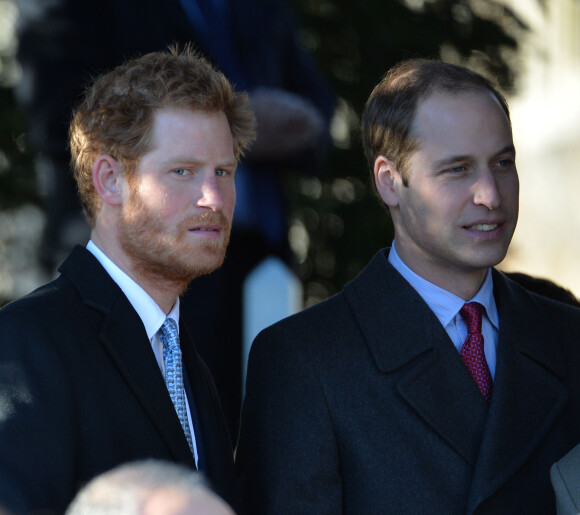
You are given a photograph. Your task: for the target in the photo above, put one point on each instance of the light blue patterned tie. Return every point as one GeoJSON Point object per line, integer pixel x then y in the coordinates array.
{"type": "Point", "coordinates": [173, 373]}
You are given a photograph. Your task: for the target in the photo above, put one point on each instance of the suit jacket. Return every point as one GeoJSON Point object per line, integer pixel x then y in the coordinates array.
{"type": "Point", "coordinates": [565, 475]}
{"type": "Point", "coordinates": [362, 404]}
{"type": "Point", "coordinates": [81, 392]}
{"type": "Point", "coordinates": [62, 43]}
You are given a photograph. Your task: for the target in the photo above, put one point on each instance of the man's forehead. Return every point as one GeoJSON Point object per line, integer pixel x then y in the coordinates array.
{"type": "Point", "coordinates": [446, 108]}
{"type": "Point", "coordinates": [449, 97]}
{"type": "Point", "coordinates": [177, 110]}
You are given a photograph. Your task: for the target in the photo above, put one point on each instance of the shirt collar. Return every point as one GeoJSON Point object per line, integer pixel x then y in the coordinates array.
{"type": "Point", "coordinates": [444, 304]}
{"type": "Point", "coordinates": [147, 309]}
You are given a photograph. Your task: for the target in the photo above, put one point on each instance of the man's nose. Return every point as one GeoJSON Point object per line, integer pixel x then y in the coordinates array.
{"type": "Point", "coordinates": [486, 190]}
{"type": "Point", "coordinates": [211, 196]}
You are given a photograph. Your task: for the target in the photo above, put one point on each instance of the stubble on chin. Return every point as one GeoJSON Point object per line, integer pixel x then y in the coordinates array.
{"type": "Point", "coordinates": [167, 255]}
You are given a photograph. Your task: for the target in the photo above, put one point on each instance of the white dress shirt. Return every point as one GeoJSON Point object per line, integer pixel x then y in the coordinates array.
{"type": "Point", "coordinates": [150, 313]}
{"type": "Point", "coordinates": [446, 306]}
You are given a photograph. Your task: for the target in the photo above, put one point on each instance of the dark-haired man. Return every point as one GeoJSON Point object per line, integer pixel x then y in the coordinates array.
{"type": "Point", "coordinates": [96, 368]}
{"type": "Point", "coordinates": [432, 383]}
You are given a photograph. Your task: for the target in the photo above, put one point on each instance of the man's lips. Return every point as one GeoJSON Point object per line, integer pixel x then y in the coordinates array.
{"type": "Point", "coordinates": [207, 228]}
{"type": "Point", "coordinates": [210, 223]}
{"type": "Point", "coordinates": [482, 227]}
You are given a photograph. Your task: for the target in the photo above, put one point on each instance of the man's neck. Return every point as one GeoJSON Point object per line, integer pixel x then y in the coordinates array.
{"type": "Point", "coordinates": [163, 291]}
{"type": "Point", "coordinates": [463, 283]}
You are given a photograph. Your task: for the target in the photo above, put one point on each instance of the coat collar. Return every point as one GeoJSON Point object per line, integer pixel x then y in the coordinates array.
{"type": "Point", "coordinates": [387, 307]}
{"type": "Point", "coordinates": [406, 340]}
{"type": "Point", "coordinates": [529, 393]}
{"type": "Point", "coordinates": [123, 335]}
{"type": "Point", "coordinates": [215, 438]}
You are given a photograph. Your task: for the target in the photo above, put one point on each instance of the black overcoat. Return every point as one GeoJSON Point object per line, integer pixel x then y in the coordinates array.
{"type": "Point", "coordinates": [81, 392]}
{"type": "Point", "coordinates": [361, 404]}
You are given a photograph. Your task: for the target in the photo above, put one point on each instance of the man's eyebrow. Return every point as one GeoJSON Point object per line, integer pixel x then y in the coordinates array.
{"type": "Point", "coordinates": [228, 162]}
{"type": "Point", "coordinates": [508, 148]}
{"type": "Point", "coordinates": [446, 161]}
{"type": "Point", "coordinates": [188, 160]}
{"type": "Point", "coordinates": [452, 159]}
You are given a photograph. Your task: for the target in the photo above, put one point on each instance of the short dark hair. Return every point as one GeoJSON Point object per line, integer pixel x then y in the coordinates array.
{"type": "Point", "coordinates": [116, 114]}
{"type": "Point", "coordinates": [390, 110]}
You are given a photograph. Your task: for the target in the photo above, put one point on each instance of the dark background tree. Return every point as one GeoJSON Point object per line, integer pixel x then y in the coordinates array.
{"type": "Point", "coordinates": [337, 224]}
{"type": "Point", "coordinates": [355, 43]}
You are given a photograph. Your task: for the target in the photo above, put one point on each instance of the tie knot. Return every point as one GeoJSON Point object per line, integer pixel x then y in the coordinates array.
{"type": "Point", "coordinates": [168, 333]}
{"type": "Point", "coordinates": [472, 313]}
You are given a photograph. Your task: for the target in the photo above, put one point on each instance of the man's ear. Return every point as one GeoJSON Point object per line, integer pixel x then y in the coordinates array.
{"type": "Point", "coordinates": [107, 179]}
{"type": "Point", "coordinates": [386, 177]}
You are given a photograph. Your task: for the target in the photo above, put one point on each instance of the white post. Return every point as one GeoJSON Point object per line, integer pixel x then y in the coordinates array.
{"type": "Point", "coordinates": [271, 292]}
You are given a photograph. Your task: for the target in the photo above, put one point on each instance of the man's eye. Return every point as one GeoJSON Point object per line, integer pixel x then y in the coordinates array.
{"type": "Point", "coordinates": [181, 171]}
{"type": "Point", "coordinates": [504, 163]}
{"type": "Point", "coordinates": [221, 173]}
{"type": "Point", "coordinates": [456, 170]}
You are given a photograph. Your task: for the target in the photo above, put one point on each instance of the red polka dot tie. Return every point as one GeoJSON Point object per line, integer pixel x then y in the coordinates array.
{"type": "Point", "coordinates": [472, 351]}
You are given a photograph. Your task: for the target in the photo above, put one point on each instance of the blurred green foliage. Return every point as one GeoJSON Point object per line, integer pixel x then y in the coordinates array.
{"type": "Point", "coordinates": [337, 222]}
{"type": "Point", "coordinates": [355, 43]}
{"type": "Point", "coordinates": [17, 181]}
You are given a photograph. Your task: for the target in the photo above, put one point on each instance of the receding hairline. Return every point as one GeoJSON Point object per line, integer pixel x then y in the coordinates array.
{"type": "Point", "coordinates": [456, 93]}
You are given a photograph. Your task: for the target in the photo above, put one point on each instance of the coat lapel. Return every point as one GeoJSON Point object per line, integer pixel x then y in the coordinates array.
{"type": "Point", "coordinates": [401, 331]}
{"type": "Point", "coordinates": [124, 337]}
{"type": "Point", "coordinates": [528, 393]}
{"type": "Point", "coordinates": [214, 434]}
